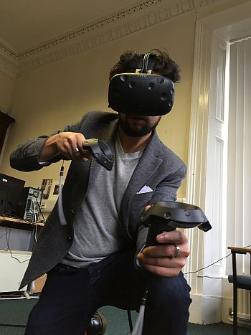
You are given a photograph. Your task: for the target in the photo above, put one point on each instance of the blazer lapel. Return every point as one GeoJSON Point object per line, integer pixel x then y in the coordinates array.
{"type": "Point", "coordinates": [146, 168]}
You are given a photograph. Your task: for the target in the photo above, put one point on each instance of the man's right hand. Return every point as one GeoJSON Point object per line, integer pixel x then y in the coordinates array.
{"type": "Point", "coordinates": [69, 144]}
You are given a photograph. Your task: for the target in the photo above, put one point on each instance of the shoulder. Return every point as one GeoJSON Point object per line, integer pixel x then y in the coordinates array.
{"type": "Point", "coordinates": [93, 122]}
{"type": "Point", "coordinates": [98, 116]}
{"type": "Point", "coordinates": [170, 158]}
{"type": "Point", "coordinates": [98, 124]}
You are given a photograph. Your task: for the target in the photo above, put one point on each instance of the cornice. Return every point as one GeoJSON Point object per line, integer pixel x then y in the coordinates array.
{"type": "Point", "coordinates": [92, 27]}
{"type": "Point", "coordinates": [118, 25]}
{"type": "Point", "coordinates": [109, 33]}
{"type": "Point", "coordinates": [8, 61]}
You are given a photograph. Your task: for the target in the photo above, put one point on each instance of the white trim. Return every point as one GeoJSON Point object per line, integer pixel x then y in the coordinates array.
{"type": "Point", "coordinates": [205, 309]}
{"type": "Point", "coordinates": [231, 23]}
{"type": "Point", "coordinates": [198, 143]}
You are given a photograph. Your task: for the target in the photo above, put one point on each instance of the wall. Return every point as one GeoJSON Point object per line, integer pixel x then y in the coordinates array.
{"type": "Point", "coordinates": [6, 89]}
{"type": "Point", "coordinates": [60, 93]}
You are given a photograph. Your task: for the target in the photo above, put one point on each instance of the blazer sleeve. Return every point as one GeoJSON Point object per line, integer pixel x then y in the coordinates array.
{"type": "Point", "coordinates": [25, 157]}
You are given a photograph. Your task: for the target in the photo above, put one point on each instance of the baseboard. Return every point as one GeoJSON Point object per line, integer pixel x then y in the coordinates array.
{"type": "Point", "coordinates": [205, 309]}
{"type": "Point", "coordinates": [227, 306]}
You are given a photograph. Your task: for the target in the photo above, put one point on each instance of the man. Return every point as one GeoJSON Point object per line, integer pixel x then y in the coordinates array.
{"type": "Point", "coordinates": [99, 258]}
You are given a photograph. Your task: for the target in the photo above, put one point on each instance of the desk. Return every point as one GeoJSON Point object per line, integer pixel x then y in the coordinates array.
{"type": "Point", "coordinates": [16, 242]}
{"type": "Point", "coordinates": [18, 234]}
{"type": "Point", "coordinates": [6, 221]}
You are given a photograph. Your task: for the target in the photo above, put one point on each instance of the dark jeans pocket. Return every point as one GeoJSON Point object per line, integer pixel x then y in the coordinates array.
{"type": "Point", "coordinates": [63, 269]}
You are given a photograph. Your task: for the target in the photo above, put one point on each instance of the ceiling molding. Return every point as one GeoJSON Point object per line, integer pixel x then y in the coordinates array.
{"type": "Point", "coordinates": [111, 33]}
{"type": "Point", "coordinates": [92, 27]}
{"type": "Point", "coordinates": [123, 23]}
{"type": "Point", "coordinates": [8, 61]}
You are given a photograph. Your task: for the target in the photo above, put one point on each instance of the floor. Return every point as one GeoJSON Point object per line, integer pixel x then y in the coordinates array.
{"type": "Point", "coordinates": [14, 314]}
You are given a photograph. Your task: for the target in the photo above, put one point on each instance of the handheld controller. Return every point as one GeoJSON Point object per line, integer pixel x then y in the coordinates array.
{"type": "Point", "coordinates": [167, 216]}
{"type": "Point", "coordinates": [100, 151]}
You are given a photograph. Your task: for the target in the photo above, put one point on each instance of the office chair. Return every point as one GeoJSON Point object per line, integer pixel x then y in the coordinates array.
{"type": "Point", "coordinates": [239, 281]}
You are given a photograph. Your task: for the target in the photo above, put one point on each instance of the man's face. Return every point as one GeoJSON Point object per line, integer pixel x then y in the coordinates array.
{"type": "Point", "coordinates": [136, 125]}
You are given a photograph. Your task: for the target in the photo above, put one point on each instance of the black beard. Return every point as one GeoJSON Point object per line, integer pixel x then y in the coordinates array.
{"type": "Point", "coordinates": [136, 132]}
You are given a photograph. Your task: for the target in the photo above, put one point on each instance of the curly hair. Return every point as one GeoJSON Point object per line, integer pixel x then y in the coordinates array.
{"type": "Point", "coordinates": [162, 64]}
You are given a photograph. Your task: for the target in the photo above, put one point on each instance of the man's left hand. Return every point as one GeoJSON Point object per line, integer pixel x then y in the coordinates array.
{"type": "Point", "coordinates": [168, 256]}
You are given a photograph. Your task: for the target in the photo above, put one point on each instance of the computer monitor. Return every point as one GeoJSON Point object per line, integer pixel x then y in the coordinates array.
{"type": "Point", "coordinates": [10, 191]}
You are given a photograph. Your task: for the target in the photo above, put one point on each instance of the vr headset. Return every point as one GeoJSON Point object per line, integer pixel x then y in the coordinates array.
{"type": "Point", "coordinates": [142, 92]}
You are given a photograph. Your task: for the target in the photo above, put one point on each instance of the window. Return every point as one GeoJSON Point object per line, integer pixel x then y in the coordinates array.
{"type": "Point", "coordinates": [238, 188]}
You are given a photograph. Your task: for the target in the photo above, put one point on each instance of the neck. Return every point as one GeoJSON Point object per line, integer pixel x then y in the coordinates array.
{"type": "Point", "coordinates": [133, 144]}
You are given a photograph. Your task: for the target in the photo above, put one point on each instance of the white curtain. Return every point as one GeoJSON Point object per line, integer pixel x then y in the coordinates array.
{"type": "Point", "coordinates": [238, 216]}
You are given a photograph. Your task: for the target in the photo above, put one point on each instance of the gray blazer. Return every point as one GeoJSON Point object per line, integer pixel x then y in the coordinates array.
{"type": "Point", "coordinates": [159, 168]}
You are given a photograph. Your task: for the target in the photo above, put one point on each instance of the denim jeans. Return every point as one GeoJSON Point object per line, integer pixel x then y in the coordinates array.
{"type": "Point", "coordinates": [71, 296]}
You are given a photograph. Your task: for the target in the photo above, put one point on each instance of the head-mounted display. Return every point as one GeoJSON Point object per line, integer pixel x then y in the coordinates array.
{"type": "Point", "coordinates": [142, 92]}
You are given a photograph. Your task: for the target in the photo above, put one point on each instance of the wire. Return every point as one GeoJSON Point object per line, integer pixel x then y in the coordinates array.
{"type": "Point", "coordinates": [206, 267]}
{"type": "Point", "coordinates": [61, 215]}
{"type": "Point", "coordinates": [129, 317]}
{"type": "Point", "coordinates": [9, 249]}
{"type": "Point", "coordinates": [40, 210]}
{"type": "Point", "coordinates": [35, 224]}
{"type": "Point", "coordinates": [12, 325]}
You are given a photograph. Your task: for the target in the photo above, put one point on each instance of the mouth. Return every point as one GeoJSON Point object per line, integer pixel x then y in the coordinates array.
{"type": "Point", "coordinates": [137, 118]}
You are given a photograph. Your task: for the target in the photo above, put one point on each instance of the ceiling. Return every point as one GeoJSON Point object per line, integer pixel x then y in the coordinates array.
{"type": "Point", "coordinates": [38, 32]}
{"type": "Point", "coordinates": [26, 24]}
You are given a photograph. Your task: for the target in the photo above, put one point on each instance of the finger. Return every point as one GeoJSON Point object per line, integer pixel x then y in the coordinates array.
{"type": "Point", "coordinates": [63, 147]}
{"type": "Point", "coordinates": [166, 262]}
{"type": "Point", "coordinates": [86, 155]}
{"type": "Point", "coordinates": [68, 148]}
{"type": "Point", "coordinates": [166, 250]}
{"type": "Point", "coordinates": [73, 146]}
{"type": "Point", "coordinates": [79, 142]}
{"type": "Point", "coordinates": [147, 207]}
{"type": "Point", "coordinates": [172, 237]}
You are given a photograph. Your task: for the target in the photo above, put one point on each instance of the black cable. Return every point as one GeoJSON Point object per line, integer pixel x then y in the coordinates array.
{"type": "Point", "coordinates": [60, 207]}
{"type": "Point", "coordinates": [11, 325]}
{"type": "Point", "coordinates": [40, 210]}
{"type": "Point", "coordinates": [10, 251]}
{"type": "Point", "coordinates": [129, 316]}
{"type": "Point", "coordinates": [206, 267]}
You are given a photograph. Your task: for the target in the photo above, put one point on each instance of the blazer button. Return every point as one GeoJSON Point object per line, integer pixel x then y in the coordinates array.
{"type": "Point", "coordinates": [73, 211]}
{"type": "Point", "coordinates": [69, 237]}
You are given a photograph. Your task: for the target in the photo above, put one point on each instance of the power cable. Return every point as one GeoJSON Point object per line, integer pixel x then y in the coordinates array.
{"type": "Point", "coordinates": [215, 262]}
{"type": "Point", "coordinates": [9, 249]}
